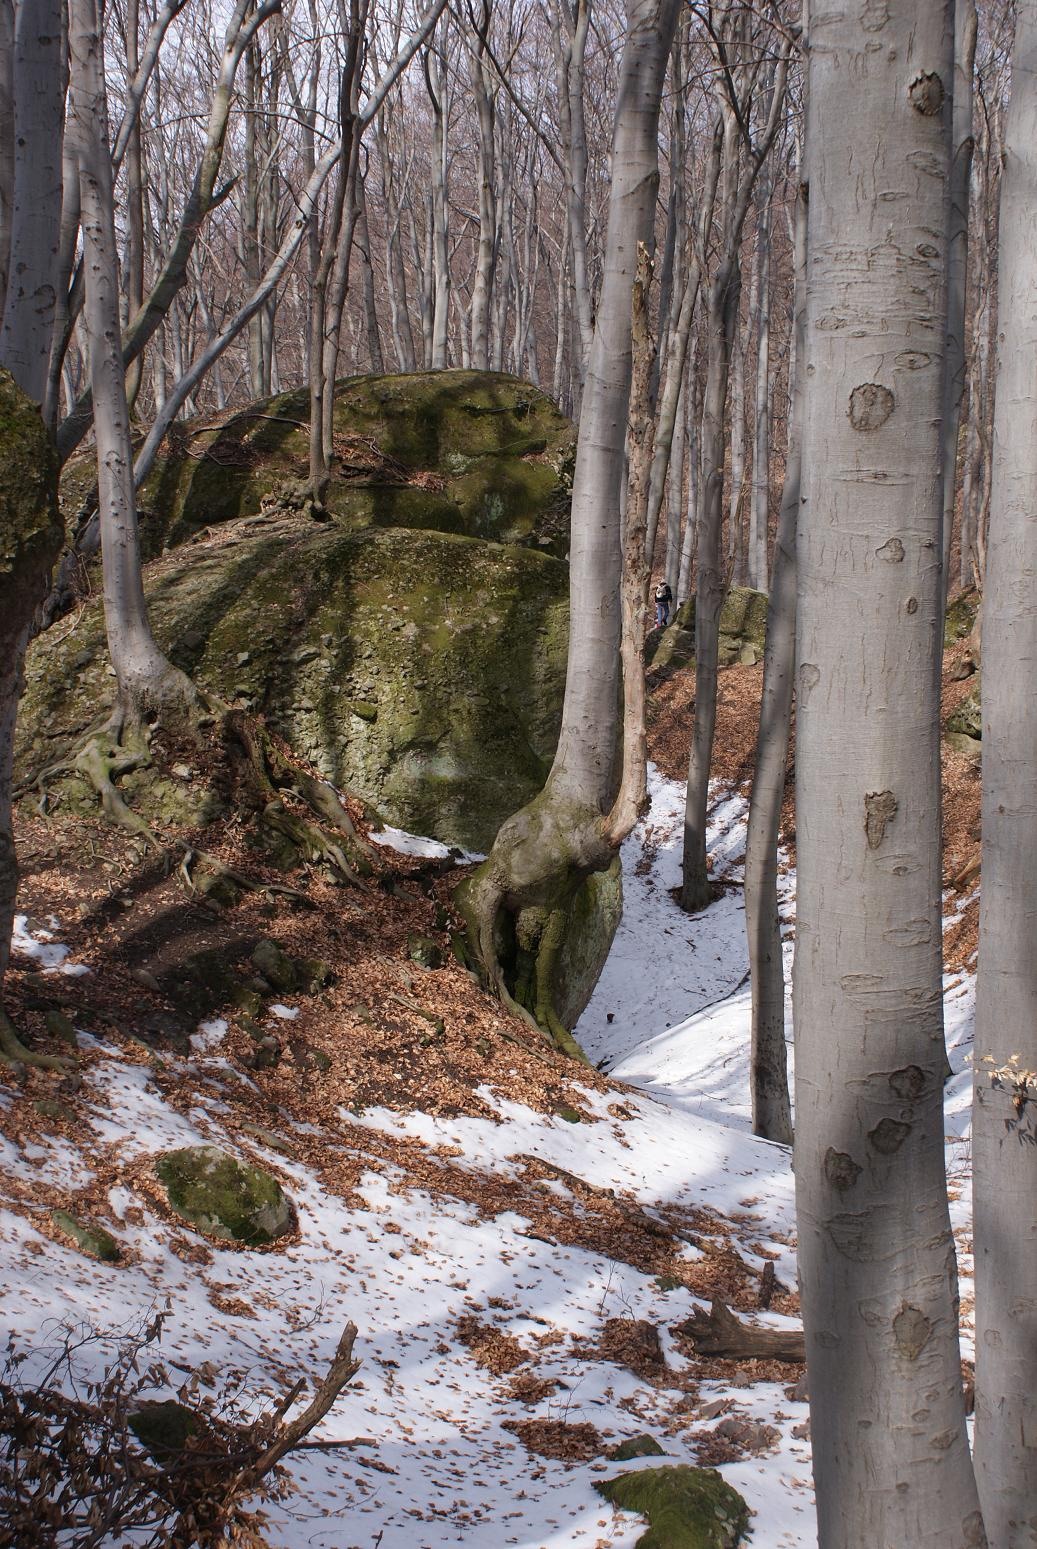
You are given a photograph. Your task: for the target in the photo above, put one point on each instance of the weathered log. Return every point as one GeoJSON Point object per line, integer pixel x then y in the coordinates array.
{"type": "Point", "coordinates": [720, 1333]}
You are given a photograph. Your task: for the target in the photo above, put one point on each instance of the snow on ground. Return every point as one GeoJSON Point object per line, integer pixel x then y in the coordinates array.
{"type": "Point", "coordinates": [670, 1017]}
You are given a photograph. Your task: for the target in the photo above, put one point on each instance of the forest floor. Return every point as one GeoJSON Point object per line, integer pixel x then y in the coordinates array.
{"type": "Point", "coordinates": [518, 1241]}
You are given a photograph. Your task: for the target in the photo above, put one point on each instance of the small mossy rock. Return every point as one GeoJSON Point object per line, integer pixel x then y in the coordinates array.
{"type": "Point", "coordinates": [223, 1197]}
{"type": "Point", "coordinates": [60, 1026]}
{"type": "Point", "coordinates": [750, 655]}
{"type": "Point", "coordinates": [637, 1447]}
{"type": "Point", "coordinates": [569, 1114]}
{"type": "Point", "coordinates": [163, 1429]}
{"type": "Point", "coordinates": [687, 1508]}
{"type": "Point", "coordinates": [51, 1108]}
{"type": "Point", "coordinates": [424, 951]}
{"type": "Point", "coordinates": [970, 747]}
{"type": "Point", "coordinates": [91, 1240]}
{"type": "Point", "coordinates": [968, 717]}
{"type": "Point", "coordinates": [277, 968]}
{"type": "Point", "coordinates": [961, 615]}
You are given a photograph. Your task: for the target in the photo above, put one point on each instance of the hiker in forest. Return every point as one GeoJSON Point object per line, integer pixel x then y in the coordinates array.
{"type": "Point", "coordinates": [663, 598]}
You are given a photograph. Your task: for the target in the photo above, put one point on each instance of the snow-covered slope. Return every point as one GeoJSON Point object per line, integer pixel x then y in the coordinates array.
{"type": "Point", "coordinates": [437, 1221]}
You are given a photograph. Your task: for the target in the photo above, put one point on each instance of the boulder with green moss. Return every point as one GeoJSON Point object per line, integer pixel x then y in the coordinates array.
{"type": "Point", "coordinates": [687, 1508]}
{"type": "Point", "coordinates": [743, 633]}
{"type": "Point", "coordinates": [961, 616]}
{"type": "Point", "coordinates": [225, 1198]}
{"type": "Point", "coordinates": [967, 719]}
{"type": "Point", "coordinates": [457, 645]}
{"type": "Point", "coordinates": [94, 1241]}
{"type": "Point", "coordinates": [480, 453]}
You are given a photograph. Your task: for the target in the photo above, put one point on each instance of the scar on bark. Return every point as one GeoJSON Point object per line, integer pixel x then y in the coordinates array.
{"type": "Point", "coordinates": [889, 1135]}
{"type": "Point", "coordinates": [926, 93]}
{"type": "Point", "coordinates": [880, 808]}
{"type": "Point", "coordinates": [892, 551]}
{"type": "Point", "coordinates": [871, 404]}
{"type": "Point", "coordinates": [841, 1170]}
{"type": "Point", "coordinates": [912, 1331]}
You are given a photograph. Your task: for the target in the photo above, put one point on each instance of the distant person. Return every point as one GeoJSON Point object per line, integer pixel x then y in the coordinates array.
{"type": "Point", "coordinates": [663, 599]}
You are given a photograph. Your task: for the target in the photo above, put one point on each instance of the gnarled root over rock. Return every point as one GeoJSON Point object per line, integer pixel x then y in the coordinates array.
{"type": "Point", "coordinates": [291, 812]}
{"type": "Point", "coordinates": [518, 905]}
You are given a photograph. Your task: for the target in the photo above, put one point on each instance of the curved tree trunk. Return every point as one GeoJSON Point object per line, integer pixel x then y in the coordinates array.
{"type": "Point", "coordinates": [769, 1076]}
{"type": "Point", "coordinates": [877, 1271]}
{"type": "Point", "coordinates": [1005, 1114]}
{"type": "Point", "coordinates": [147, 681]}
{"type": "Point", "coordinates": [545, 851]}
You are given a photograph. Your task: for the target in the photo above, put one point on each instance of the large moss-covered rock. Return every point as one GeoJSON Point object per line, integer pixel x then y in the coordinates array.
{"type": "Point", "coordinates": [423, 670]}
{"type": "Point", "coordinates": [743, 633]}
{"type": "Point", "coordinates": [961, 616]}
{"type": "Point", "coordinates": [687, 1508]}
{"type": "Point", "coordinates": [223, 1197]}
{"type": "Point", "coordinates": [480, 453]}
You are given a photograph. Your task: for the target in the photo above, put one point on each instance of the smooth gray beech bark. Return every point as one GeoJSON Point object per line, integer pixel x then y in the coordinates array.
{"type": "Point", "coordinates": [768, 1066]}
{"type": "Point", "coordinates": [6, 140]}
{"type": "Point", "coordinates": [1004, 1131]}
{"type": "Point", "coordinates": [759, 510]}
{"type": "Point", "coordinates": [147, 681]}
{"type": "Point", "coordinates": [965, 29]}
{"type": "Point", "coordinates": [878, 1281]}
{"type": "Point", "coordinates": [544, 851]}
{"type": "Point", "coordinates": [436, 85]}
{"type": "Point", "coordinates": [30, 305]}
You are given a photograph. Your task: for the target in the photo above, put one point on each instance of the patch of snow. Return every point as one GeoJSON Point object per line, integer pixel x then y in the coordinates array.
{"type": "Point", "coordinates": [403, 843]}
{"type": "Point", "coordinates": [210, 1035]}
{"type": "Point", "coordinates": [286, 1013]}
{"type": "Point", "coordinates": [39, 944]}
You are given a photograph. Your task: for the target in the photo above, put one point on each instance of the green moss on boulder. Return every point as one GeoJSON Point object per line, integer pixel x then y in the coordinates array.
{"type": "Point", "coordinates": [637, 1447]}
{"type": "Point", "coordinates": [961, 616]}
{"type": "Point", "coordinates": [687, 1508]}
{"type": "Point", "coordinates": [223, 1197]}
{"type": "Point", "coordinates": [968, 717]}
{"type": "Point", "coordinates": [456, 646]}
{"type": "Point", "coordinates": [481, 453]}
{"type": "Point", "coordinates": [743, 633]}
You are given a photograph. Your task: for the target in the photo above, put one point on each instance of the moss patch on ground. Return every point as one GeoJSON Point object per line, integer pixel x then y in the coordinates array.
{"type": "Point", "coordinates": [687, 1508]}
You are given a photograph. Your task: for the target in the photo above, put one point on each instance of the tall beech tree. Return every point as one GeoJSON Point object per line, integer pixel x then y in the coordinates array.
{"type": "Point", "coordinates": [545, 851]}
{"type": "Point", "coordinates": [1005, 1110]}
{"type": "Point", "coordinates": [876, 1254]}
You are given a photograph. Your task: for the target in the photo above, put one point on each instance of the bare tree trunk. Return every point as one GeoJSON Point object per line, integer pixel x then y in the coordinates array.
{"type": "Point", "coordinates": [363, 243]}
{"type": "Point", "coordinates": [482, 289]}
{"type": "Point", "coordinates": [147, 682]}
{"type": "Point", "coordinates": [6, 141]}
{"type": "Point", "coordinates": [435, 79]}
{"type": "Point", "coordinates": [965, 29]}
{"type": "Point", "coordinates": [1004, 1135]}
{"type": "Point", "coordinates": [768, 1072]}
{"type": "Point", "coordinates": [759, 512]}
{"type": "Point", "coordinates": [876, 1256]}
{"type": "Point", "coordinates": [31, 300]}
{"type": "Point", "coordinates": [545, 851]}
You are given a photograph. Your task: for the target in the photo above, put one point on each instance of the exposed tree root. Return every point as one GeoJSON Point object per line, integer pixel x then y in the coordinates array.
{"type": "Point", "coordinates": [14, 1053]}
{"type": "Point", "coordinates": [262, 774]}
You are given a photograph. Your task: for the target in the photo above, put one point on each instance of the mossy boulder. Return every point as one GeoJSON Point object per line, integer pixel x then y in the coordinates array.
{"type": "Point", "coordinates": [227, 1199]}
{"type": "Point", "coordinates": [967, 719]}
{"type": "Point", "coordinates": [743, 633]}
{"type": "Point", "coordinates": [458, 646]}
{"type": "Point", "coordinates": [637, 1447]}
{"type": "Point", "coordinates": [961, 616]}
{"type": "Point", "coordinates": [481, 453]}
{"type": "Point", "coordinates": [687, 1508]}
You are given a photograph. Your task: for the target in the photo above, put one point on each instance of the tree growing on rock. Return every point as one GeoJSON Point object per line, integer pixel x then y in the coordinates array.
{"type": "Point", "coordinates": [876, 1254]}
{"type": "Point", "coordinates": [517, 903]}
